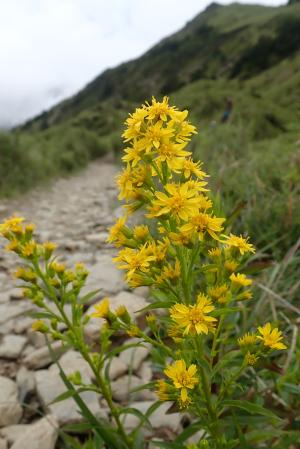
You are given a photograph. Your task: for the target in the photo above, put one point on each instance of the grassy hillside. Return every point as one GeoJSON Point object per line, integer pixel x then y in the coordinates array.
{"type": "Point", "coordinates": [250, 53]}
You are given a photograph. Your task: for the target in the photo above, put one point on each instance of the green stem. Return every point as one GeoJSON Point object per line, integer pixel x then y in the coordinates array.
{"type": "Point", "coordinates": [215, 340]}
{"type": "Point", "coordinates": [212, 413]}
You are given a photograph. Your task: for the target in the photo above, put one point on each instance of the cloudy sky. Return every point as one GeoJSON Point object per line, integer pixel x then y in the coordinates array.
{"type": "Point", "coordinates": [49, 49]}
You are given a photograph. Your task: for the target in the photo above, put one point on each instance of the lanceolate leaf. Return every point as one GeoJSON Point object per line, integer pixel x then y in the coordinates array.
{"type": "Point", "coordinates": [253, 409]}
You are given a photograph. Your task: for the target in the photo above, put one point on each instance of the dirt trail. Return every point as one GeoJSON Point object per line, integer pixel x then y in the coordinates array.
{"type": "Point", "coordinates": [71, 212]}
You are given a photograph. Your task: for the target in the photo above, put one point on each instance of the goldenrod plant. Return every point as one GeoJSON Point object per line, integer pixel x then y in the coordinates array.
{"type": "Point", "coordinates": [198, 287]}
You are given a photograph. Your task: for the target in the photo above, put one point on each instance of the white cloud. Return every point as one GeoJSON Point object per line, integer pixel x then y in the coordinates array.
{"type": "Point", "coordinates": [49, 49]}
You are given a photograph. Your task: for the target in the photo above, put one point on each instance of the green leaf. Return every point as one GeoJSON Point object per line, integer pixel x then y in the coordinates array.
{"type": "Point", "coordinates": [78, 427]}
{"type": "Point", "coordinates": [89, 296]}
{"type": "Point", "coordinates": [188, 432]}
{"type": "Point", "coordinates": [167, 445]}
{"type": "Point", "coordinates": [250, 407]}
{"type": "Point", "coordinates": [40, 315]}
{"type": "Point", "coordinates": [225, 311]}
{"type": "Point", "coordinates": [133, 411]}
{"type": "Point", "coordinates": [157, 305]}
{"type": "Point", "coordinates": [291, 388]}
{"type": "Point", "coordinates": [63, 396]}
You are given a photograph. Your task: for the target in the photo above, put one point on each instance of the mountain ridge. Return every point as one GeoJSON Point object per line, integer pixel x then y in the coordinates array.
{"type": "Point", "coordinates": [222, 41]}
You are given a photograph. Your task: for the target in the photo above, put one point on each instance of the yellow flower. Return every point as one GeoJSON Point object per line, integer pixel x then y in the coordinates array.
{"type": "Point", "coordinates": [184, 402]}
{"type": "Point", "coordinates": [102, 309]}
{"type": "Point", "coordinates": [133, 331]}
{"type": "Point", "coordinates": [271, 337]}
{"type": "Point", "coordinates": [159, 110]}
{"type": "Point", "coordinates": [182, 377]}
{"type": "Point", "coordinates": [189, 167]}
{"type": "Point", "coordinates": [180, 238]}
{"type": "Point", "coordinates": [29, 249]}
{"type": "Point", "coordinates": [195, 184]}
{"type": "Point", "coordinates": [163, 390]}
{"type": "Point", "coordinates": [240, 279]}
{"type": "Point", "coordinates": [169, 272]}
{"type": "Point", "coordinates": [245, 295]}
{"type": "Point", "coordinates": [231, 265]}
{"type": "Point", "coordinates": [134, 123]}
{"type": "Point", "coordinates": [12, 224]}
{"type": "Point", "coordinates": [134, 260]}
{"type": "Point", "coordinates": [154, 136]}
{"type": "Point", "coordinates": [194, 318]}
{"type": "Point", "coordinates": [59, 268]}
{"type": "Point", "coordinates": [185, 129]}
{"type": "Point", "coordinates": [116, 232]}
{"type": "Point", "coordinates": [13, 245]}
{"type": "Point", "coordinates": [26, 274]}
{"type": "Point", "coordinates": [179, 201]}
{"type": "Point", "coordinates": [141, 232]}
{"type": "Point", "coordinates": [172, 153]}
{"type": "Point", "coordinates": [159, 249]}
{"type": "Point", "coordinates": [251, 359]}
{"type": "Point", "coordinates": [247, 340]}
{"type": "Point", "coordinates": [124, 182]}
{"type": "Point", "coordinates": [240, 243]}
{"type": "Point", "coordinates": [219, 293]}
{"type": "Point", "coordinates": [202, 223]}
{"type": "Point", "coordinates": [215, 252]}
{"type": "Point", "coordinates": [133, 155]}
{"type": "Point", "coordinates": [29, 228]}
{"type": "Point", "coordinates": [39, 326]}
{"type": "Point", "coordinates": [49, 247]}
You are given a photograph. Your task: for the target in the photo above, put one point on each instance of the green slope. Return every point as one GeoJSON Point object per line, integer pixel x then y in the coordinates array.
{"type": "Point", "coordinates": [235, 41]}
{"type": "Point", "coordinates": [248, 52]}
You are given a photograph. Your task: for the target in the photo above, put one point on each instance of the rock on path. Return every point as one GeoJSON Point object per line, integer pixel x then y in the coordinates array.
{"type": "Point", "coordinates": [75, 213]}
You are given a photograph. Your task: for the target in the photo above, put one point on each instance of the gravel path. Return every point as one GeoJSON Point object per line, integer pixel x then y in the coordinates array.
{"type": "Point", "coordinates": [75, 213]}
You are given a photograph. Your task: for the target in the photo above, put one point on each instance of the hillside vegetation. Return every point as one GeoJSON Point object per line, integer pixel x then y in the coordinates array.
{"type": "Point", "coordinates": [250, 53]}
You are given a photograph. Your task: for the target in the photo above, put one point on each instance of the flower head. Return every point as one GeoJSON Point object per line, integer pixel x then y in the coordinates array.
{"type": "Point", "coordinates": [183, 378]}
{"type": "Point", "coordinates": [194, 318]}
{"type": "Point", "coordinates": [271, 337]}
{"type": "Point", "coordinates": [240, 243]}
{"type": "Point", "coordinates": [251, 359]}
{"type": "Point", "coordinates": [101, 309]}
{"type": "Point", "coordinates": [247, 340]}
{"type": "Point", "coordinates": [240, 280]}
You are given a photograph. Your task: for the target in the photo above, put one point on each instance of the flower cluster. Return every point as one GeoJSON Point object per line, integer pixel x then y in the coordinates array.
{"type": "Point", "coordinates": [181, 250]}
{"type": "Point", "coordinates": [195, 270]}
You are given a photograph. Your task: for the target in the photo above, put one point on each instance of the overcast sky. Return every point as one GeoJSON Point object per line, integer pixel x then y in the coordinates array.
{"type": "Point", "coordinates": [49, 49]}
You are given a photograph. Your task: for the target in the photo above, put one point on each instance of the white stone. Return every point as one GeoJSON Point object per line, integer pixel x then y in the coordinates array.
{"type": "Point", "coordinates": [145, 371]}
{"type": "Point", "coordinates": [134, 356]}
{"type": "Point", "coordinates": [40, 435]}
{"type": "Point", "coordinates": [49, 385]}
{"type": "Point", "coordinates": [72, 361]}
{"type": "Point", "coordinates": [11, 346]}
{"type": "Point", "coordinates": [3, 443]}
{"type": "Point", "coordinates": [12, 310]}
{"type": "Point", "coordinates": [26, 382]}
{"type": "Point", "coordinates": [105, 276]}
{"type": "Point", "coordinates": [117, 368]}
{"type": "Point", "coordinates": [41, 357]}
{"type": "Point", "coordinates": [121, 389]}
{"type": "Point", "coordinates": [10, 408]}
{"type": "Point", "coordinates": [14, 432]}
{"type": "Point", "coordinates": [132, 302]}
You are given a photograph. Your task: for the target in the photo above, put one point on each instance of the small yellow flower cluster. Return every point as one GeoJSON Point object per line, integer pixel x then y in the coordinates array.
{"type": "Point", "coordinates": [181, 250]}
{"type": "Point", "coordinates": [39, 267]}
{"type": "Point", "coordinates": [254, 345]}
{"type": "Point", "coordinates": [161, 178]}
{"type": "Point", "coordinates": [183, 379]}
